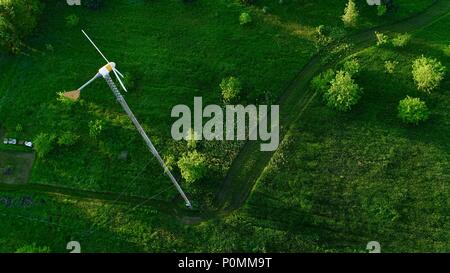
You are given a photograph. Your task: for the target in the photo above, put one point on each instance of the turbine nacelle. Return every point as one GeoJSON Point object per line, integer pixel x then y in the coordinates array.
{"type": "Point", "coordinates": [102, 72]}
{"type": "Point", "coordinates": [108, 68]}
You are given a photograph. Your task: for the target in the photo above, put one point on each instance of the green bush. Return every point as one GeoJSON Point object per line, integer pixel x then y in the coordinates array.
{"type": "Point", "coordinates": [390, 66]}
{"type": "Point", "coordinates": [95, 128]}
{"type": "Point", "coordinates": [401, 40]}
{"type": "Point", "coordinates": [351, 66]}
{"type": "Point", "coordinates": [17, 20]}
{"type": "Point", "coordinates": [231, 89]}
{"type": "Point", "coordinates": [322, 82]}
{"type": "Point", "coordinates": [382, 38]}
{"type": "Point", "coordinates": [413, 110]}
{"type": "Point", "coordinates": [343, 93]}
{"type": "Point", "coordinates": [68, 139]}
{"type": "Point", "coordinates": [427, 73]}
{"type": "Point", "coordinates": [193, 166]}
{"type": "Point", "coordinates": [43, 144]}
{"type": "Point", "coordinates": [351, 14]}
{"type": "Point", "coordinates": [245, 18]}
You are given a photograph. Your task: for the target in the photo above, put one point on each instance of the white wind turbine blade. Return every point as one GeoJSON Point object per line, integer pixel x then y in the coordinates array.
{"type": "Point", "coordinates": [120, 74]}
{"type": "Point", "coordinates": [95, 46]}
{"type": "Point", "coordinates": [120, 81]}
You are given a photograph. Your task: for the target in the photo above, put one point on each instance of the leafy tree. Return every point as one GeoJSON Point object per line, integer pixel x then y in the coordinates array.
{"type": "Point", "coordinates": [390, 66]}
{"type": "Point", "coordinates": [321, 36]}
{"type": "Point", "coordinates": [382, 38]}
{"type": "Point", "coordinates": [18, 19]}
{"type": "Point", "coordinates": [95, 128]}
{"type": "Point", "coordinates": [231, 88]}
{"type": "Point", "coordinates": [343, 93]}
{"type": "Point", "coordinates": [401, 40]}
{"type": "Point", "coordinates": [412, 110]}
{"type": "Point", "coordinates": [321, 82]}
{"type": "Point", "coordinates": [245, 18]}
{"type": "Point", "coordinates": [43, 144]}
{"type": "Point", "coordinates": [427, 73]}
{"type": "Point", "coordinates": [68, 139]}
{"type": "Point", "coordinates": [191, 139]}
{"type": "Point", "coordinates": [193, 166]}
{"type": "Point", "coordinates": [351, 66]}
{"type": "Point", "coordinates": [351, 14]}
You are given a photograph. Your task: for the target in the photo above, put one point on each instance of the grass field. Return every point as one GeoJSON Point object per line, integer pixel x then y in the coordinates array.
{"type": "Point", "coordinates": [337, 181]}
{"type": "Point", "coordinates": [176, 51]}
{"type": "Point", "coordinates": [361, 176]}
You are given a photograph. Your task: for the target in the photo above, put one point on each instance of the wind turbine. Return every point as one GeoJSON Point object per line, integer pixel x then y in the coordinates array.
{"type": "Point", "coordinates": [105, 73]}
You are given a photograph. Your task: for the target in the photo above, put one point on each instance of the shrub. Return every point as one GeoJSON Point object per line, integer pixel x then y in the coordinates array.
{"type": "Point", "coordinates": [343, 93]}
{"type": "Point", "coordinates": [68, 139]}
{"type": "Point", "coordinates": [43, 144]}
{"type": "Point", "coordinates": [382, 38]}
{"type": "Point", "coordinates": [95, 128]}
{"type": "Point", "coordinates": [401, 40]}
{"type": "Point", "coordinates": [351, 14]}
{"type": "Point", "coordinates": [17, 20]}
{"type": "Point", "coordinates": [390, 66]}
{"type": "Point", "coordinates": [191, 139]}
{"type": "Point", "coordinates": [427, 73]}
{"type": "Point", "coordinates": [321, 36]}
{"type": "Point", "coordinates": [231, 88]}
{"type": "Point", "coordinates": [192, 166]}
{"type": "Point", "coordinates": [321, 82]}
{"type": "Point", "coordinates": [413, 110]}
{"type": "Point", "coordinates": [245, 18]}
{"type": "Point", "coordinates": [351, 66]}
{"type": "Point", "coordinates": [72, 20]}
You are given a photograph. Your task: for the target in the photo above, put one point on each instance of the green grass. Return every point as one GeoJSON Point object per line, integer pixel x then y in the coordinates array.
{"type": "Point", "coordinates": [177, 51]}
{"type": "Point", "coordinates": [337, 182]}
{"type": "Point", "coordinates": [347, 179]}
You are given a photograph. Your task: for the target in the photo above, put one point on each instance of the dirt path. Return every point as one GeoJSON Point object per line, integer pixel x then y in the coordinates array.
{"type": "Point", "coordinates": [250, 162]}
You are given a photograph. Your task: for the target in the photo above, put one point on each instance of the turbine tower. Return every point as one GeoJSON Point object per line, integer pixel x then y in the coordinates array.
{"type": "Point", "coordinates": [105, 73]}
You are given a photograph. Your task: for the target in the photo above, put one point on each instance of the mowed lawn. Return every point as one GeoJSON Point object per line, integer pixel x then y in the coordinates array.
{"type": "Point", "coordinates": [346, 179]}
